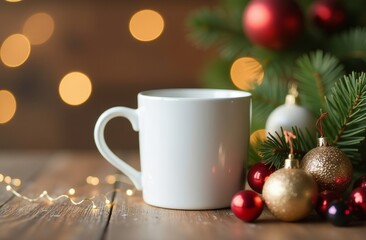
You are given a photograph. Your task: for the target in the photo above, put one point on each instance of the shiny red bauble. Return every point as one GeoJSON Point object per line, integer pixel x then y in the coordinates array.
{"type": "Point", "coordinates": [360, 182]}
{"type": "Point", "coordinates": [258, 174]}
{"type": "Point", "coordinates": [324, 199]}
{"type": "Point", "coordinates": [357, 202]}
{"type": "Point", "coordinates": [272, 24]}
{"type": "Point", "coordinates": [328, 15]}
{"type": "Point", "coordinates": [247, 205]}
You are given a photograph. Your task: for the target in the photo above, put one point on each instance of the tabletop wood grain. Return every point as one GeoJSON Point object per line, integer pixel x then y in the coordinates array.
{"type": "Point", "coordinates": [128, 217]}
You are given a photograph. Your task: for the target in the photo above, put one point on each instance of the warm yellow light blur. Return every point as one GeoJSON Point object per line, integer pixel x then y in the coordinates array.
{"type": "Point", "coordinates": [71, 191]}
{"type": "Point", "coordinates": [246, 73]}
{"type": "Point", "coordinates": [129, 192]}
{"type": "Point", "coordinates": [39, 28]}
{"type": "Point", "coordinates": [8, 106]}
{"type": "Point", "coordinates": [75, 88]}
{"type": "Point", "coordinates": [16, 182]}
{"type": "Point", "coordinates": [1, 177]}
{"type": "Point", "coordinates": [146, 25]}
{"type": "Point", "coordinates": [7, 179]}
{"type": "Point", "coordinates": [110, 179]}
{"type": "Point", "coordinates": [13, 1]}
{"type": "Point", "coordinates": [257, 138]}
{"type": "Point", "coordinates": [15, 50]}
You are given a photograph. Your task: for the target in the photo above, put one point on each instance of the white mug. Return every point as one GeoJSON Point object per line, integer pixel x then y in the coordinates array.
{"type": "Point", "coordinates": [193, 146]}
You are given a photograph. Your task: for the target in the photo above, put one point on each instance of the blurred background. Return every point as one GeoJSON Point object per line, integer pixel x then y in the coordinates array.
{"type": "Point", "coordinates": [64, 63]}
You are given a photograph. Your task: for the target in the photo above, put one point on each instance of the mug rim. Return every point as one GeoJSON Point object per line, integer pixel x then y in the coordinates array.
{"type": "Point", "coordinates": [194, 94]}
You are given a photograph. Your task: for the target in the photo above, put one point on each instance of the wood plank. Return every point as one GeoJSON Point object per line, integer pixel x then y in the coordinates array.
{"type": "Point", "coordinates": [19, 165]}
{"type": "Point", "coordinates": [20, 219]}
{"type": "Point", "coordinates": [133, 219]}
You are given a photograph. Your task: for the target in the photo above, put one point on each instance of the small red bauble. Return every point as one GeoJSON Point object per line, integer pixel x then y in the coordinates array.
{"type": "Point", "coordinates": [324, 199]}
{"type": "Point", "coordinates": [247, 205]}
{"type": "Point", "coordinates": [357, 202]}
{"type": "Point", "coordinates": [360, 182]}
{"type": "Point", "coordinates": [272, 23]}
{"type": "Point", "coordinates": [328, 15]}
{"type": "Point", "coordinates": [258, 174]}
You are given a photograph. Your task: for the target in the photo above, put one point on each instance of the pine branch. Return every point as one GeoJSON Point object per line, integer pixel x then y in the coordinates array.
{"type": "Point", "coordinates": [346, 107]}
{"type": "Point", "coordinates": [315, 75]}
{"type": "Point", "coordinates": [275, 149]}
{"type": "Point", "coordinates": [208, 28]}
{"type": "Point", "coordinates": [346, 125]}
{"type": "Point", "coordinates": [267, 96]}
{"type": "Point", "coordinates": [350, 44]}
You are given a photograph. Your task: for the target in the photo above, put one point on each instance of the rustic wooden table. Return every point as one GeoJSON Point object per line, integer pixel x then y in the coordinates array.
{"type": "Point", "coordinates": [128, 217]}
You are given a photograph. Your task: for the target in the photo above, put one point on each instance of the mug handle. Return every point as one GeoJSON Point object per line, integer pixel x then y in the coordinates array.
{"type": "Point", "coordinates": [132, 116]}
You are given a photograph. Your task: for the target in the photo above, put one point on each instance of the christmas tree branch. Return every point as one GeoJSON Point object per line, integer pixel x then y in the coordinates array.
{"type": "Point", "coordinates": [346, 108]}
{"type": "Point", "coordinates": [350, 45]}
{"type": "Point", "coordinates": [346, 125]}
{"type": "Point", "coordinates": [275, 149]}
{"type": "Point", "coordinates": [315, 74]}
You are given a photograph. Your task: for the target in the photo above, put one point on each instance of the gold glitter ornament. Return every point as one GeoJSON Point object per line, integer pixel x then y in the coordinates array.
{"type": "Point", "coordinates": [329, 166]}
{"type": "Point", "coordinates": [289, 193]}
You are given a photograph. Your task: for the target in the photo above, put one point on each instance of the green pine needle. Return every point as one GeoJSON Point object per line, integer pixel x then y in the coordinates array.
{"type": "Point", "coordinates": [275, 149]}
{"type": "Point", "coordinates": [215, 27]}
{"type": "Point", "coordinates": [346, 107]}
{"type": "Point", "coordinates": [350, 45]}
{"type": "Point", "coordinates": [345, 125]}
{"type": "Point", "coordinates": [315, 74]}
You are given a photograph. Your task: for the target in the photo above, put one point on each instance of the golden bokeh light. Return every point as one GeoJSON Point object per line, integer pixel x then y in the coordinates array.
{"type": "Point", "coordinates": [246, 73]}
{"type": "Point", "coordinates": [15, 50]}
{"type": "Point", "coordinates": [75, 88]}
{"type": "Point", "coordinates": [71, 191]}
{"type": "Point", "coordinates": [8, 106]}
{"type": "Point", "coordinates": [39, 28]}
{"type": "Point", "coordinates": [110, 179]}
{"type": "Point", "coordinates": [146, 25]}
{"type": "Point", "coordinates": [13, 1]}
{"type": "Point", "coordinates": [257, 138]}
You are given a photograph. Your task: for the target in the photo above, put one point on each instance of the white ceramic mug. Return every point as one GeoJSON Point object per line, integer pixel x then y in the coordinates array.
{"type": "Point", "coordinates": [193, 146]}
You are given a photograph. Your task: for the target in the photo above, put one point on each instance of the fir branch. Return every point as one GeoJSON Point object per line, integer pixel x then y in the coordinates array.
{"type": "Point", "coordinates": [209, 28]}
{"type": "Point", "coordinates": [349, 45]}
{"type": "Point", "coordinates": [315, 75]}
{"type": "Point", "coordinates": [267, 97]}
{"type": "Point", "coordinates": [346, 107]}
{"type": "Point", "coordinates": [275, 149]}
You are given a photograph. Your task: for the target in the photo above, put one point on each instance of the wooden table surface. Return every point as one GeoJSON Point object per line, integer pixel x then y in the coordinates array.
{"type": "Point", "coordinates": [128, 217]}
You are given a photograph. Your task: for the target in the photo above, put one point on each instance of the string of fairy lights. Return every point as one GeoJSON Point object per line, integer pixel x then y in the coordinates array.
{"type": "Point", "coordinates": [12, 184]}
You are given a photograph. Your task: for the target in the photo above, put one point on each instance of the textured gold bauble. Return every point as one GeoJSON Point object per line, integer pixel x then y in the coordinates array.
{"type": "Point", "coordinates": [329, 166]}
{"type": "Point", "coordinates": [290, 194]}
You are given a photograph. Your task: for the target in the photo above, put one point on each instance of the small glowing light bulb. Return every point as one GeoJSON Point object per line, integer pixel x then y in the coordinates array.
{"type": "Point", "coordinates": [8, 188]}
{"type": "Point", "coordinates": [7, 179]}
{"type": "Point", "coordinates": [107, 201]}
{"type": "Point", "coordinates": [71, 191]}
{"type": "Point", "coordinates": [129, 192]}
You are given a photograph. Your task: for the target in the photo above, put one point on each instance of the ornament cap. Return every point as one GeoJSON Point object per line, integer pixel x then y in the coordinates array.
{"type": "Point", "coordinates": [291, 162]}
{"type": "Point", "coordinates": [323, 142]}
{"type": "Point", "coordinates": [292, 96]}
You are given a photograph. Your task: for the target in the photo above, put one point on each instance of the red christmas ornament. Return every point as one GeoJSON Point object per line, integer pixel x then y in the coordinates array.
{"type": "Point", "coordinates": [328, 15]}
{"type": "Point", "coordinates": [324, 199]}
{"type": "Point", "coordinates": [272, 23]}
{"type": "Point", "coordinates": [247, 205]}
{"type": "Point", "coordinates": [361, 182]}
{"type": "Point", "coordinates": [357, 202]}
{"type": "Point", "coordinates": [258, 174]}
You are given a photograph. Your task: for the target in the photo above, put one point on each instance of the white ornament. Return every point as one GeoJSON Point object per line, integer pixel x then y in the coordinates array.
{"type": "Point", "coordinates": [290, 115]}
